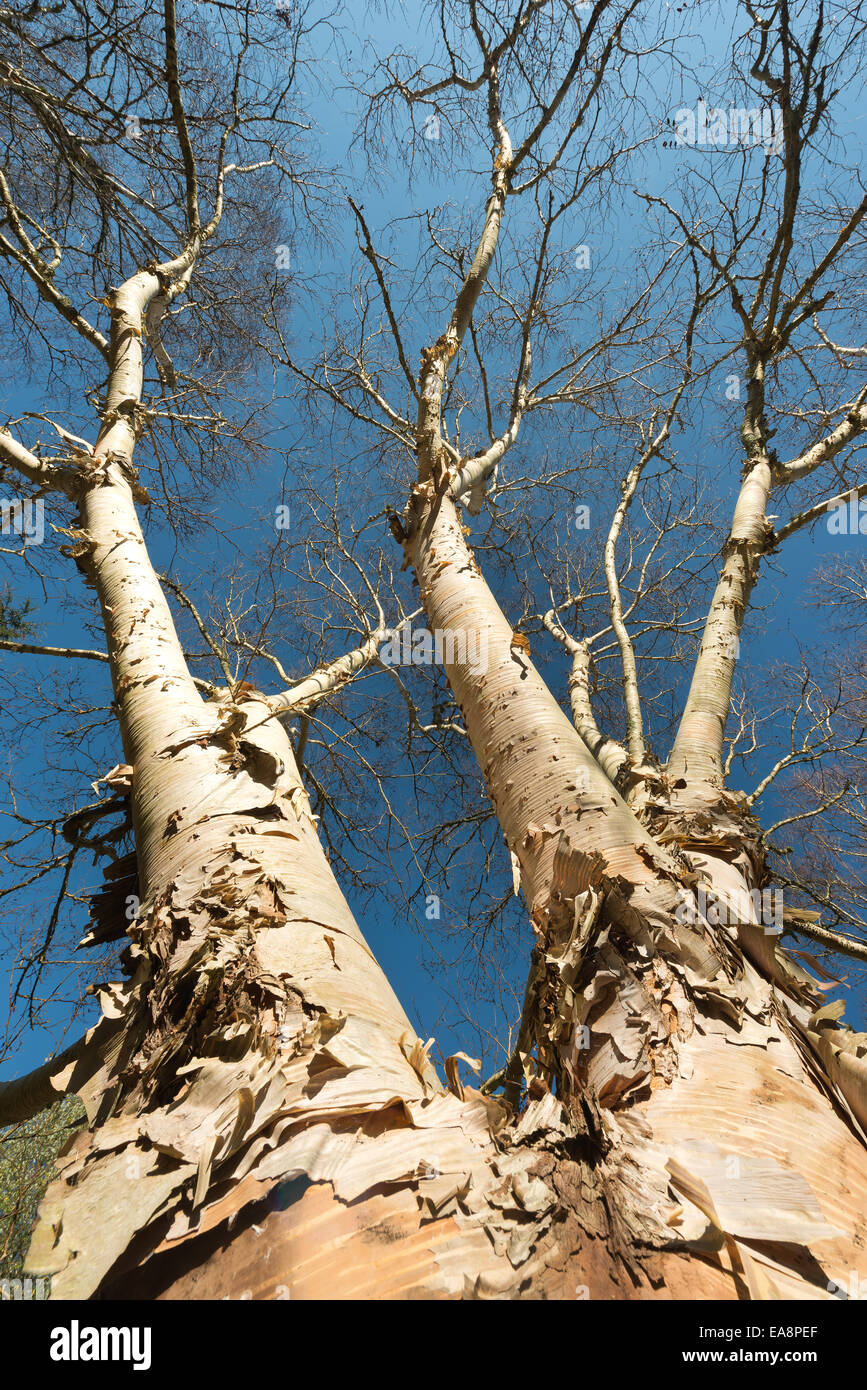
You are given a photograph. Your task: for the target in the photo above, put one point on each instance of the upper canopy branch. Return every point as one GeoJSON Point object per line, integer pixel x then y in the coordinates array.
{"type": "Point", "coordinates": [41, 272]}
{"type": "Point", "coordinates": [609, 754]}
{"type": "Point", "coordinates": [853, 425]}
{"type": "Point", "coordinates": [14, 455]}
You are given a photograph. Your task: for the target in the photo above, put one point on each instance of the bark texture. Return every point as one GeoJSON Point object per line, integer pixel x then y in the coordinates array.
{"type": "Point", "coordinates": [264, 1121]}
{"type": "Point", "coordinates": [729, 1098]}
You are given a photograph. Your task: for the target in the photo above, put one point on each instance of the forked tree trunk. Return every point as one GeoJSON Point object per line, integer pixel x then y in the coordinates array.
{"type": "Point", "coordinates": [264, 1121]}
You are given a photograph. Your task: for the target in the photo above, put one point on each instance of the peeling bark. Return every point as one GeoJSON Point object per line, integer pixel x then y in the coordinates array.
{"type": "Point", "coordinates": [693, 1055]}
{"type": "Point", "coordinates": [264, 1121]}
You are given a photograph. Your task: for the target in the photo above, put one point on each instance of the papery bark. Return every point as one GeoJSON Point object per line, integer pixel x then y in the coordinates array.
{"type": "Point", "coordinates": [688, 1036]}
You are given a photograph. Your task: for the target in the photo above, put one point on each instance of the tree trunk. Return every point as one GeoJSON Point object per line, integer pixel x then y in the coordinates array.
{"type": "Point", "coordinates": [265, 1123]}
{"type": "Point", "coordinates": [680, 1022]}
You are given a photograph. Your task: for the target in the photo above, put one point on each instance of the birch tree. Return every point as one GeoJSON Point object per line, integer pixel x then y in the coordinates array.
{"type": "Point", "coordinates": [657, 992]}
{"type": "Point", "coordinates": [682, 1114]}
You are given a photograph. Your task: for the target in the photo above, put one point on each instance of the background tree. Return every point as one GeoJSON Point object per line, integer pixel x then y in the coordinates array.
{"type": "Point", "coordinates": [28, 1154]}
